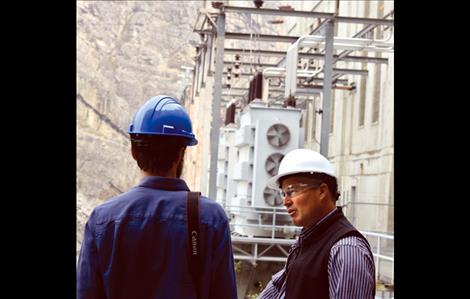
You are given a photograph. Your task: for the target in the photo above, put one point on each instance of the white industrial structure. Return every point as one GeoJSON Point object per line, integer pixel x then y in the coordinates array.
{"type": "Point", "coordinates": [264, 136]}
{"type": "Point", "coordinates": [227, 159]}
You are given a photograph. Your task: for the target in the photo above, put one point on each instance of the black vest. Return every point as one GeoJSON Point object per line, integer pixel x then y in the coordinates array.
{"type": "Point", "coordinates": [308, 273]}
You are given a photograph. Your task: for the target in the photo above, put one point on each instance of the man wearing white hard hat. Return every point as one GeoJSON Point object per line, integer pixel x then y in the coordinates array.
{"type": "Point", "coordinates": [330, 259]}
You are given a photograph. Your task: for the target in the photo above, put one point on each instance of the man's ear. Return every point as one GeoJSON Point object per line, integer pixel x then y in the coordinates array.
{"type": "Point", "coordinates": [133, 153]}
{"type": "Point", "coordinates": [323, 188]}
{"type": "Point", "coordinates": [182, 151]}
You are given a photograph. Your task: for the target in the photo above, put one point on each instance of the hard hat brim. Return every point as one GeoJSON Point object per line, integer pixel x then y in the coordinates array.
{"type": "Point", "coordinates": [274, 181]}
{"type": "Point", "coordinates": [190, 141]}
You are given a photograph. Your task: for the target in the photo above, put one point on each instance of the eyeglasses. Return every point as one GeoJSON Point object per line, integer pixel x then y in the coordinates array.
{"type": "Point", "coordinates": [296, 189]}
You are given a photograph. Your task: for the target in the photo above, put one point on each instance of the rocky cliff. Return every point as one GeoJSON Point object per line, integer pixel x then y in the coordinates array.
{"type": "Point", "coordinates": [127, 52]}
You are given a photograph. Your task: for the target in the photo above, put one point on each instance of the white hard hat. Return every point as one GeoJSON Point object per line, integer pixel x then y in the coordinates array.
{"type": "Point", "coordinates": [301, 161]}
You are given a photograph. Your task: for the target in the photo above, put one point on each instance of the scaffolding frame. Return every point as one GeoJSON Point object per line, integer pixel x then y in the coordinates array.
{"type": "Point", "coordinates": [213, 25]}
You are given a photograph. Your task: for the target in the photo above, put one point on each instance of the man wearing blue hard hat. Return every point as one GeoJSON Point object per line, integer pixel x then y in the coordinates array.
{"type": "Point", "coordinates": [158, 240]}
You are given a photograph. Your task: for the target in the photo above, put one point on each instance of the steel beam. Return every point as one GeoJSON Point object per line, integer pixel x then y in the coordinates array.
{"type": "Point", "coordinates": [266, 241]}
{"type": "Point", "coordinates": [370, 21]}
{"type": "Point", "coordinates": [262, 37]}
{"type": "Point", "coordinates": [216, 97]}
{"type": "Point", "coordinates": [318, 80]}
{"type": "Point", "coordinates": [303, 90]}
{"type": "Point", "coordinates": [328, 71]}
{"type": "Point", "coordinates": [228, 51]}
{"type": "Point", "coordinates": [362, 59]}
{"type": "Point", "coordinates": [260, 259]}
{"type": "Point", "coordinates": [259, 37]}
{"type": "Point", "coordinates": [350, 71]}
{"type": "Point", "coordinates": [305, 55]}
{"type": "Point", "coordinates": [307, 14]}
{"type": "Point", "coordinates": [229, 63]}
{"type": "Point", "coordinates": [278, 12]}
{"type": "Point", "coordinates": [299, 91]}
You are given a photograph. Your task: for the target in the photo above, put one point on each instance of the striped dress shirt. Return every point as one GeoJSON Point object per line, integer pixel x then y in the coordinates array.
{"type": "Point", "coordinates": [350, 269]}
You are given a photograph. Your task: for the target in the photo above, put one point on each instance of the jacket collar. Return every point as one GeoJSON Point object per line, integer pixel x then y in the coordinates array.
{"type": "Point", "coordinates": [309, 234]}
{"type": "Point", "coordinates": [158, 182]}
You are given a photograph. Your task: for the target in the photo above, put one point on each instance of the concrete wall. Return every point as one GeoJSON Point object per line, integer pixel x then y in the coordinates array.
{"type": "Point", "coordinates": [363, 154]}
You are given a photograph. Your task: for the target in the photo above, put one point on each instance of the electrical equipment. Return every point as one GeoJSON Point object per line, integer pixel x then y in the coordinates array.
{"type": "Point", "coordinates": [264, 137]}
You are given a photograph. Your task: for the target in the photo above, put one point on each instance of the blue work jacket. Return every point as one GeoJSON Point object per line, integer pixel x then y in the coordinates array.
{"type": "Point", "coordinates": [135, 246]}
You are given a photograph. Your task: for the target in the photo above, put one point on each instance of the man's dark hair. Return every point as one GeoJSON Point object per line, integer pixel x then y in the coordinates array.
{"type": "Point", "coordinates": [157, 153]}
{"type": "Point", "coordinates": [329, 180]}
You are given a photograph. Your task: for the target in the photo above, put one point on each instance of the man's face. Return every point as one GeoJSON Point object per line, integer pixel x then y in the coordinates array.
{"type": "Point", "coordinates": [305, 199]}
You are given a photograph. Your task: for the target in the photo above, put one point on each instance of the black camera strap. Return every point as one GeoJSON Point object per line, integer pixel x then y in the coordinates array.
{"type": "Point", "coordinates": [192, 220]}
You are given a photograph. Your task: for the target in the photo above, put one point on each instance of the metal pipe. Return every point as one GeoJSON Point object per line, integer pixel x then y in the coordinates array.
{"type": "Point", "coordinates": [267, 72]}
{"type": "Point", "coordinates": [265, 250]}
{"type": "Point", "coordinates": [274, 224]}
{"type": "Point", "coordinates": [255, 251]}
{"type": "Point", "coordinates": [362, 32]}
{"type": "Point", "coordinates": [382, 235]}
{"type": "Point", "coordinates": [261, 259]}
{"type": "Point", "coordinates": [378, 255]}
{"type": "Point", "coordinates": [241, 250]}
{"type": "Point", "coordinates": [282, 249]}
{"type": "Point", "coordinates": [265, 241]}
{"type": "Point", "coordinates": [338, 43]}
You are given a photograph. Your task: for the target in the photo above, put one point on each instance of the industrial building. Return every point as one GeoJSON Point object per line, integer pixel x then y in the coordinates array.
{"type": "Point", "coordinates": [308, 74]}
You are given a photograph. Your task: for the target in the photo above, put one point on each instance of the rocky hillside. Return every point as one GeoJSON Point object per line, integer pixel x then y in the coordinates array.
{"type": "Point", "coordinates": [127, 52]}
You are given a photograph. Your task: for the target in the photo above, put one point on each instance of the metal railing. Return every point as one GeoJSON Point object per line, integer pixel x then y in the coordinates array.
{"type": "Point", "coordinates": [260, 211]}
{"type": "Point", "coordinates": [382, 254]}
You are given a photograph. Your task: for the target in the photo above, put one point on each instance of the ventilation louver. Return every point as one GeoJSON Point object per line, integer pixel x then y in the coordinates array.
{"type": "Point", "coordinates": [272, 197]}
{"type": "Point", "coordinates": [272, 163]}
{"type": "Point", "coordinates": [278, 135]}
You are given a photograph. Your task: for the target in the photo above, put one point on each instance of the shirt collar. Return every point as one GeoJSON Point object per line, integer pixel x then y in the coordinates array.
{"type": "Point", "coordinates": [307, 231]}
{"type": "Point", "coordinates": [158, 182]}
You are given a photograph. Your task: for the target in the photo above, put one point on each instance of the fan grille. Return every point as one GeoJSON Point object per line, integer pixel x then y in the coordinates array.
{"type": "Point", "coordinates": [278, 135]}
{"type": "Point", "coordinates": [272, 163]}
{"type": "Point", "coordinates": [272, 197]}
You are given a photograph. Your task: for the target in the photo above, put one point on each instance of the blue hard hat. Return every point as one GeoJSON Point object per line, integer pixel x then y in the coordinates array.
{"type": "Point", "coordinates": [163, 115]}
